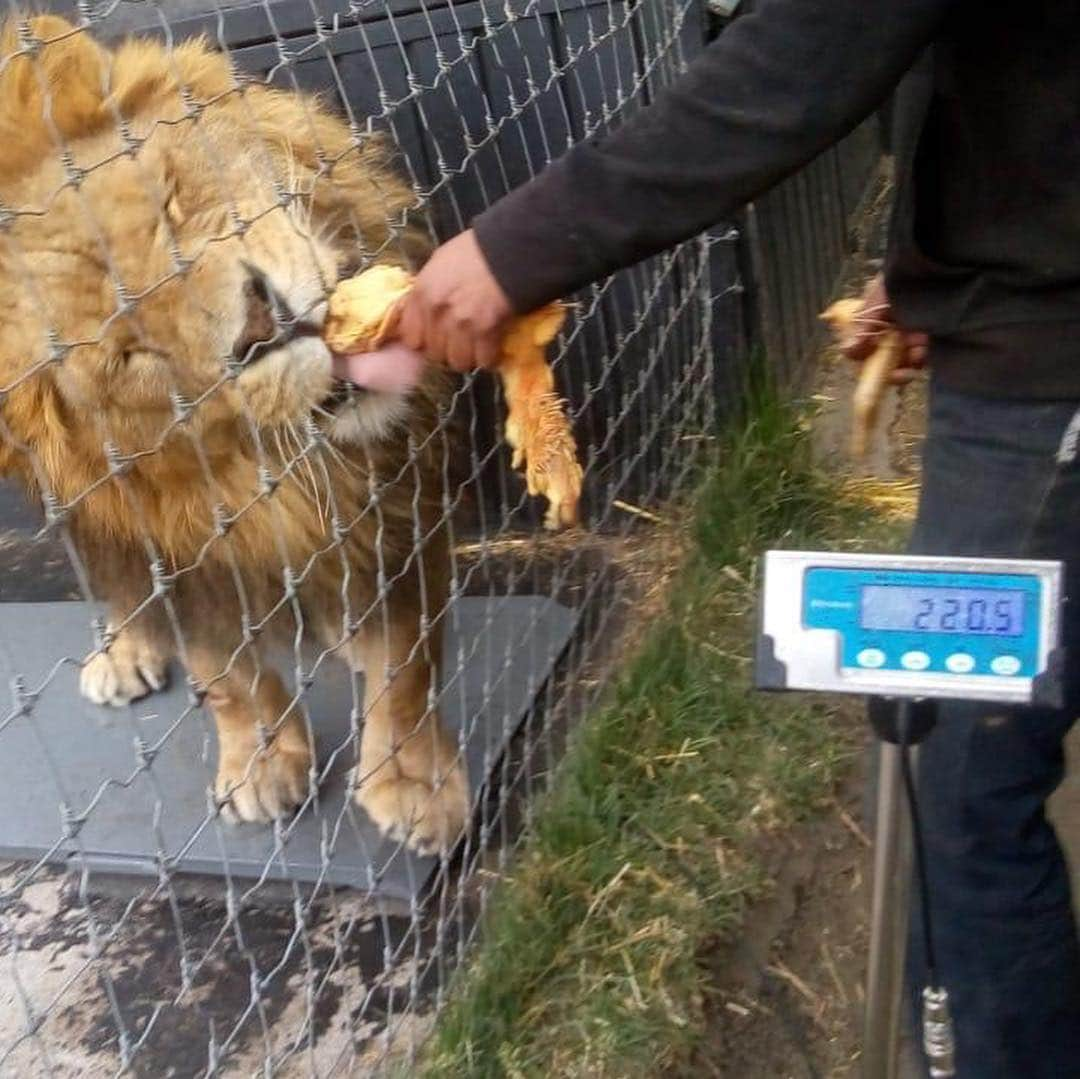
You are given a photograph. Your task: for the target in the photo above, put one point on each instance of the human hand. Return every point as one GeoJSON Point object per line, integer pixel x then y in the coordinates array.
{"type": "Point", "coordinates": [875, 320]}
{"type": "Point", "coordinates": [456, 312]}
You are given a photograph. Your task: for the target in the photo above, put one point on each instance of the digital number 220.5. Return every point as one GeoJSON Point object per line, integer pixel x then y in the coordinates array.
{"type": "Point", "coordinates": [975, 616]}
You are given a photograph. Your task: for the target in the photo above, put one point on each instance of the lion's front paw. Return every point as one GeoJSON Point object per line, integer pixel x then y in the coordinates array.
{"type": "Point", "coordinates": [426, 816]}
{"type": "Point", "coordinates": [128, 670]}
{"type": "Point", "coordinates": [263, 784]}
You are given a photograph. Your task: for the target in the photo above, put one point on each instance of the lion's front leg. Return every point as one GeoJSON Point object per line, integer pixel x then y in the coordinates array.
{"type": "Point", "coordinates": [133, 664]}
{"type": "Point", "coordinates": [411, 779]}
{"type": "Point", "coordinates": [264, 749]}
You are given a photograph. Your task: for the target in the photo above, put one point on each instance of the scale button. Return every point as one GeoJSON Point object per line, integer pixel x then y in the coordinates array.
{"type": "Point", "coordinates": [914, 661]}
{"type": "Point", "coordinates": [960, 663]}
{"type": "Point", "coordinates": [1005, 665]}
{"type": "Point", "coordinates": [871, 657]}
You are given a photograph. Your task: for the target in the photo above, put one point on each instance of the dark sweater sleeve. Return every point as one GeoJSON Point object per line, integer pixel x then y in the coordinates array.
{"type": "Point", "coordinates": [779, 85]}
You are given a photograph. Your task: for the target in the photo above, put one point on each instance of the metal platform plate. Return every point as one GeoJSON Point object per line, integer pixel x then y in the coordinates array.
{"type": "Point", "coordinates": [74, 788]}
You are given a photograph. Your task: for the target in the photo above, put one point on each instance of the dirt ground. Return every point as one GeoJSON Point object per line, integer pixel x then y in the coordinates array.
{"type": "Point", "coordinates": [788, 995]}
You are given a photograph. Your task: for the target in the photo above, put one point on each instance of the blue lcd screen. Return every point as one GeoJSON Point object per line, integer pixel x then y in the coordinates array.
{"type": "Point", "coordinates": [995, 612]}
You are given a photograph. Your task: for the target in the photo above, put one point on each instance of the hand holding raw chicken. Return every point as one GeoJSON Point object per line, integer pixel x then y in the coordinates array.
{"type": "Point", "coordinates": [875, 375]}
{"type": "Point", "coordinates": [360, 330]}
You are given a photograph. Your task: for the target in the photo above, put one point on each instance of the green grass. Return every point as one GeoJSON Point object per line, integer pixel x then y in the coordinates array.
{"type": "Point", "coordinates": [644, 850]}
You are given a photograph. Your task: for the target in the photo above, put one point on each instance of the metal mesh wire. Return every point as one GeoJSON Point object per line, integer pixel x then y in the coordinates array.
{"type": "Point", "coordinates": [281, 969]}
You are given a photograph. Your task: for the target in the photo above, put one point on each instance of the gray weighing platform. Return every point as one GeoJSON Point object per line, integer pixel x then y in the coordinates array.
{"type": "Point", "coordinates": [65, 751]}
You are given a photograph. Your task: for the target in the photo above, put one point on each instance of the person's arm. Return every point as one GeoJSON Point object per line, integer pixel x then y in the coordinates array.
{"type": "Point", "coordinates": [778, 86]}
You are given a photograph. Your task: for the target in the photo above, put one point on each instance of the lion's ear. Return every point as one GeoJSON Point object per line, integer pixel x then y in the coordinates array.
{"type": "Point", "coordinates": [53, 83]}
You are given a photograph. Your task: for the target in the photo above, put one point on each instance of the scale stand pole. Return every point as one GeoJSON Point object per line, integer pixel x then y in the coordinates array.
{"type": "Point", "coordinates": [889, 919]}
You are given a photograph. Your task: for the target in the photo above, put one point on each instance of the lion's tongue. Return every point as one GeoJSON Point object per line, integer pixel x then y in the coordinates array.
{"type": "Point", "coordinates": [394, 368]}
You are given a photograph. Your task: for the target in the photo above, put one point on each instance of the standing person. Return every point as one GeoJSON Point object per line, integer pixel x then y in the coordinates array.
{"type": "Point", "coordinates": [983, 262]}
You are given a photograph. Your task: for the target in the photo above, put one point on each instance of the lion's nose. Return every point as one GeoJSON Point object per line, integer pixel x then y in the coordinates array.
{"type": "Point", "coordinates": [269, 321]}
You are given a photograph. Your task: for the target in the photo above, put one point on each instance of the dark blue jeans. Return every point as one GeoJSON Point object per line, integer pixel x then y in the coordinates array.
{"type": "Point", "coordinates": [1002, 478]}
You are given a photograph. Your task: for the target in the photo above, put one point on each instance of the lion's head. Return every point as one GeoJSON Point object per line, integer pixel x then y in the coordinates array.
{"type": "Point", "coordinates": [168, 237]}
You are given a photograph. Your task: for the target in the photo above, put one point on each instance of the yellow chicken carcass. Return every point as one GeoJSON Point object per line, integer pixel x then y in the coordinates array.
{"type": "Point", "coordinates": [536, 425]}
{"type": "Point", "coordinates": [361, 313]}
{"type": "Point", "coordinates": [361, 317]}
{"type": "Point", "coordinates": [873, 378]}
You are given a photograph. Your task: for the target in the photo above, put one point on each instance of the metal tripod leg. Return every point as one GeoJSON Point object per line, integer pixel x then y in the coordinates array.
{"type": "Point", "coordinates": [889, 921]}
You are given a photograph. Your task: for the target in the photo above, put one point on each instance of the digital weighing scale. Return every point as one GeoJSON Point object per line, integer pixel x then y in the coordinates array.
{"type": "Point", "coordinates": [911, 626]}
{"type": "Point", "coordinates": [907, 630]}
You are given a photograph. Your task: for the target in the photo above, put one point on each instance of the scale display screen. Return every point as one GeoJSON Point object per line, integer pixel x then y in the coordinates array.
{"type": "Point", "coordinates": [911, 625]}
{"type": "Point", "coordinates": [994, 611]}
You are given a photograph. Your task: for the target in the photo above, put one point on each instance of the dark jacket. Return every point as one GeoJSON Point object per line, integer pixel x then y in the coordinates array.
{"type": "Point", "coordinates": [984, 247]}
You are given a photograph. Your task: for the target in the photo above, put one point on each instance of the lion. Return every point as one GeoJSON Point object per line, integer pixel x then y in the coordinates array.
{"type": "Point", "coordinates": [168, 237]}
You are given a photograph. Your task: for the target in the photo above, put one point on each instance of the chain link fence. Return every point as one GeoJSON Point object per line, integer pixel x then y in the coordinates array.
{"type": "Point", "coordinates": [287, 662]}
